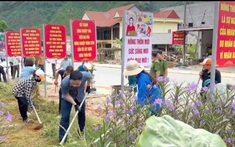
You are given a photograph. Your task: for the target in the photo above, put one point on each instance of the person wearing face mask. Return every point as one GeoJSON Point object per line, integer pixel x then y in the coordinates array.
{"type": "Point", "coordinates": [73, 89]}
{"type": "Point", "coordinates": [23, 90]}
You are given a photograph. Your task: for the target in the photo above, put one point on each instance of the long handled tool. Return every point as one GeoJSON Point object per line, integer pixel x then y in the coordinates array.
{"type": "Point", "coordinates": [39, 120]}
{"type": "Point", "coordinates": [66, 133]}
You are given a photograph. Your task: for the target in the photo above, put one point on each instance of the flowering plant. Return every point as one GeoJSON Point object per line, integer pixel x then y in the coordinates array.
{"type": "Point", "coordinates": [124, 119]}
{"type": "Point", "coordinates": [5, 119]}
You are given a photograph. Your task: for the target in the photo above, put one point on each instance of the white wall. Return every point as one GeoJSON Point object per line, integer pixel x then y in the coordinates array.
{"type": "Point", "coordinates": [161, 27]}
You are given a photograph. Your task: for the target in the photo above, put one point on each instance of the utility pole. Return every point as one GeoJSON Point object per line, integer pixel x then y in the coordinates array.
{"type": "Point", "coordinates": [184, 46]}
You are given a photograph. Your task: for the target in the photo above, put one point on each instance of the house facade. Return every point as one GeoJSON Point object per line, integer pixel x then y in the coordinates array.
{"type": "Point", "coordinates": [109, 29]}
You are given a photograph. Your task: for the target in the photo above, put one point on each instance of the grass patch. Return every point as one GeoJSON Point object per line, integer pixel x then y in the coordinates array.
{"type": "Point", "coordinates": [23, 135]}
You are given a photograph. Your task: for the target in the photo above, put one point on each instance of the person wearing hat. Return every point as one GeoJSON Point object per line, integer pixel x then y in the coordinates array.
{"type": "Point", "coordinates": [206, 74]}
{"type": "Point", "coordinates": [23, 90]}
{"type": "Point", "coordinates": [206, 71]}
{"type": "Point", "coordinates": [148, 90]}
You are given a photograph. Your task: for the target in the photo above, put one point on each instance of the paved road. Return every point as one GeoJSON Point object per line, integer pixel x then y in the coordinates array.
{"type": "Point", "coordinates": [107, 75]}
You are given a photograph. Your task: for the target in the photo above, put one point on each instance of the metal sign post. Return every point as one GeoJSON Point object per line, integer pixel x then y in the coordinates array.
{"type": "Point", "coordinates": [71, 42]}
{"type": "Point", "coordinates": [44, 58]}
{"type": "Point", "coordinates": [123, 49]}
{"type": "Point", "coordinates": [214, 45]}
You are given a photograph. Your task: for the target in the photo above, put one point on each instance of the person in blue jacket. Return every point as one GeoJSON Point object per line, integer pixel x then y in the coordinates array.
{"type": "Point", "coordinates": [148, 90]}
{"type": "Point", "coordinates": [28, 69]}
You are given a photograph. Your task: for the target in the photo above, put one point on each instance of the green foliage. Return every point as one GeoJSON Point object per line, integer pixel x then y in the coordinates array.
{"type": "Point", "coordinates": [3, 26]}
{"type": "Point", "coordinates": [35, 14]}
{"type": "Point", "coordinates": [182, 102]}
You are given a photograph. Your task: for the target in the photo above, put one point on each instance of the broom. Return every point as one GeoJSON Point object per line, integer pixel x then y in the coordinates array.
{"type": "Point", "coordinates": [39, 120]}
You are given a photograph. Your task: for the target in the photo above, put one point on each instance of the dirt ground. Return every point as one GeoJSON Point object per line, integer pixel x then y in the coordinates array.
{"type": "Point", "coordinates": [92, 101]}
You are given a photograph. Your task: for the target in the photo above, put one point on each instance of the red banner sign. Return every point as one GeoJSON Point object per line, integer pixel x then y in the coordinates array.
{"type": "Point", "coordinates": [83, 40]}
{"type": "Point", "coordinates": [177, 38]}
{"type": "Point", "coordinates": [226, 34]}
{"type": "Point", "coordinates": [13, 43]}
{"type": "Point", "coordinates": [55, 40]}
{"type": "Point", "coordinates": [31, 42]}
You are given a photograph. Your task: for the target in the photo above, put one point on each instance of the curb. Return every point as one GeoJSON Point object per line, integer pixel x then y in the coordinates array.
{"type": "Point", "coordinates": [180, 71]}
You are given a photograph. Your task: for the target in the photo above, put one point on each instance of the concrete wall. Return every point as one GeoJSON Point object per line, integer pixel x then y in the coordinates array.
{"type": "Point", "coordinates": [163, 27]}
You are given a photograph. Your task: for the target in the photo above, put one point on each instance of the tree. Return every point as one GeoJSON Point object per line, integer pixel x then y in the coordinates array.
{"type": "Point", "coordinates": [3, 26]}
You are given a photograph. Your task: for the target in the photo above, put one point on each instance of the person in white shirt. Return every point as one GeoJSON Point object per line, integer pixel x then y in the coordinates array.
{"type": "Point", "coordinates": [15, 66]}
{"type": "Point", "coordinates": [64, 63]}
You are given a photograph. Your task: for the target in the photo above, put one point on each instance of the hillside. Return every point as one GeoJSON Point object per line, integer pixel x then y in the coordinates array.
{"type": "Point", "coordinates": [34, 14]}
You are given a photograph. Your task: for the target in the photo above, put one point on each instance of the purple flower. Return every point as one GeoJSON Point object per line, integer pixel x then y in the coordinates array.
{"type": "Point", "coordinates": [231, 87]}
{"type": "Point", "coordinates": [157, 101]}
{"type": "Point", "coordinates": [233, 106]}
{"type": "Point", "coordinates": [172, 108]}
{"type": "Point", "coordinates": [229, 140]}
{"type": "Point", "coordinates": [193, 106]}
{"type": "Point", "coordinates": [212, 85]}
{"type": "Point", "coordinates": [203, 121]}
{"type": "Point", "coordinates": [110, 113]}
{"type": "Point", "coordinates": [167, 80]}
{"type": "Point", "coordinates": [154, 86]}
{"type": "Point", "coordinates": [1, 138]}
{"type": "Point", "coordinates": [3, 104]}
{"type": "Point", "coordinates": [132, 137]}
{"type": "Point", "coordinates": [6, 140]}
{"type": "Point", "coordinates": [134, 97]}
{"type": "Point", "coordinates": [205, 89]}
{"type": "Point", "coordinates": [199, 103]}
{"type": "Point", "coordinates": [1, 112]}
{"type": "Point", "coordinates": [117, 102]}
{"type": "Point", "coordinates": [218, 102]}
{"type": "Point", "coordinates": [195, 112]}
{"type": "Point", "coordinates": [168, 102]}
{"type": "Point", "coordinates": [8, 117]}
{"type": "Point", "coordinates": [108, 101]}
{"type": "Point", "coordinates": [192, 88]}
{"type": "Point", "coordinates": [96, 128]}
{"type": "Point", "coordinates": [160, 79]}
{"type": "Point", "coordinates": [99, 108]}
{"type": "Point", "coordinates": [130, 112]}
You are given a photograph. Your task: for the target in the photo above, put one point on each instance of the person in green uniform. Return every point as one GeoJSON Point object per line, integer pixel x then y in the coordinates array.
{"type": "Point", "coordinates": [159, 66]}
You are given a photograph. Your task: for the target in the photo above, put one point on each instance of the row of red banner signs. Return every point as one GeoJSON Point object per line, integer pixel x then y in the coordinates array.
{"type": "Point", "coordinates": [28, 43]}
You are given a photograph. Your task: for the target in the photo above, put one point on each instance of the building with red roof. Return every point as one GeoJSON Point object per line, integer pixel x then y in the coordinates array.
{"type": "Point", "coordinates": [109, 27]}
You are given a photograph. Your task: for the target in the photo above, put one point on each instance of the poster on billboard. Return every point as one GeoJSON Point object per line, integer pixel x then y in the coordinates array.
{"type": "Point", "coordinates": [13, 43]}
{"type": "Point", "coordinates": [177, 38]}
{"type": "Point", "coordinates": [83, 40]}
{"type": "Point", "coordinates": [54, 41]}
{"type": "Point", "coordinates": [138, 30]}
{"type": "Point", "coordinates": [225, 55]}
{"type": "Point", "coordinates": [31, 42]}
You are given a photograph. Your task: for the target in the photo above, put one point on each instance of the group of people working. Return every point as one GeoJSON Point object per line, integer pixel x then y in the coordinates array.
{"type": "Point", "coordinates": [76, 83]}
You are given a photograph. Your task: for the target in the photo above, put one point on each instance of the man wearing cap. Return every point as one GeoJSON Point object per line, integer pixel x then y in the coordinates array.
{"type": "Point", "coordinates": [206, 71]}
{"type": "Point", "coordinates": [23, 90]}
